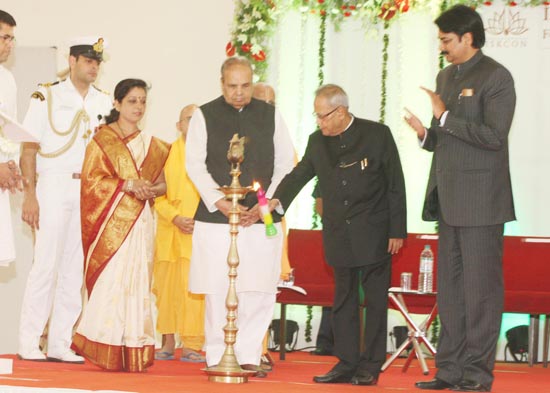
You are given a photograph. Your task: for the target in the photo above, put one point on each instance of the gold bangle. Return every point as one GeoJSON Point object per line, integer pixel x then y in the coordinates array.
{"type": "Point", "coordinates": [130, 185]}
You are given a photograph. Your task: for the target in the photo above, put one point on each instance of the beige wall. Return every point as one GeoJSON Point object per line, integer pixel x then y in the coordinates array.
{"type": "Point", "coordinates": [175, 45]}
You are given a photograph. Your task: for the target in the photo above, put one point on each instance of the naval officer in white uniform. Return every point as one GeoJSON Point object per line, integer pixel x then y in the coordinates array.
{"type": "Point", "coordinates": [62, 116]}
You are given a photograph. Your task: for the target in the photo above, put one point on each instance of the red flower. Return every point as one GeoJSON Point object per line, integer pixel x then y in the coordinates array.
{"type": "Point", "coordinates": [347, 13]}
{"type": "Point", "coordinates": [403, 5]}
{"type": "Point", "coordinates": [323, 12]}
{"type": "Point", "coordinates": [260, 56]}
{"type": "Point", "coordinates": [512, 4]}
{"type": "Point", "coordinates": [320, 1]}
{"type": "Point", "coordinates": [387, 12]}
{"type": "Point", "coordinates": [488, 3]}
{"type": "Point", "coordinates": [230, 49]}
{"type": "Point", "coordinates": [352, 7]}
{"type": "Point", "coordinates": [344, 7]}
{"type": "Point", "coordinates": [246, 47]}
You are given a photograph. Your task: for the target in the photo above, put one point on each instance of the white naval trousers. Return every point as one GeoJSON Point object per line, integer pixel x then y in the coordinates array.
{"type": "Point", "coordinates": [55, 280]}
{"type": "Point", "coordinates": [254, 314]}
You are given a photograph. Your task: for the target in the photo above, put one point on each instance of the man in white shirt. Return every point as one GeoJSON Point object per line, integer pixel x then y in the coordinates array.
{"type": "Point", "coordinates": [9, 173]}
{"type": "Point", "coordinates": [62, 116]}
{"type": "Point", "coordinates": [269, 156]}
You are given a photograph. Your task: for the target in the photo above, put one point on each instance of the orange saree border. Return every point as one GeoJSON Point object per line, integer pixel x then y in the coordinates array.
{"type": "Point", "coordinates": [108, 163]}
{"type": "Point", "coordinates": [114, 357]}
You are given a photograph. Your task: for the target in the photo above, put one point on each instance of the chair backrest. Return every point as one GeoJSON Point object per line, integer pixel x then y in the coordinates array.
{"type": "Point", "coordinates": [526, 263]}
{"type": "Point", "coordinates": [526, 268]}
{"type": "Point", "coordinates": [307, 258]}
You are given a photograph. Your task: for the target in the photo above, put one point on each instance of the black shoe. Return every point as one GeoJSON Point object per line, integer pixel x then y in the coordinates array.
{"type": "Point", "coordinates": [334, 376]}
{"type": "Point", "coordinates": [469, 386]}
{"type": "Point", "coordinates": [321, 352]}
{"type": "Point", "coordinates": [363, 377]}
{"type": "Point", "coordinates": [434, 384]}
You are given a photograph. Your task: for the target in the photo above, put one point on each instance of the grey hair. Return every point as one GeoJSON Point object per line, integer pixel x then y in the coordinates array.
{"type": "Point", "coordinates": [233, 61]}
{"type": "Point", "coordinates": [335, 94]}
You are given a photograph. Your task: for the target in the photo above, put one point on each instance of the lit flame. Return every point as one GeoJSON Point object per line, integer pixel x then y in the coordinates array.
{"type": "Point", "coordinates": [256, 186]}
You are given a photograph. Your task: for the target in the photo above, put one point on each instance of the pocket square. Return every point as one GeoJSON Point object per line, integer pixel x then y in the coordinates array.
{"type": "Point", "coordinates": [467, 93]}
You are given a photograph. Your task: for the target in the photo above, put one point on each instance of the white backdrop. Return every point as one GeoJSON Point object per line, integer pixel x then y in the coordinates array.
{"type": "Point", "coordinates": [353, 60]}
{"type": "Point", "coordinates": [519, 38]}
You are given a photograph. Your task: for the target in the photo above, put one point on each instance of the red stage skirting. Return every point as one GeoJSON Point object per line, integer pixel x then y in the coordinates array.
{"type": "Point", "coordinates": [292, 375]}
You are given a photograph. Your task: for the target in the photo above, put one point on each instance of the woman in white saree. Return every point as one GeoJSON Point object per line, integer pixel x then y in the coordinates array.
{"type": "Point", "coordinates": [122, 171]}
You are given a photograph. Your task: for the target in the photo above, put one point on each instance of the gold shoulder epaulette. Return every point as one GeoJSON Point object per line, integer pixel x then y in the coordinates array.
{"type": "Point", "coordinates": [102, 91]}
{"type": "Point", "coordinates": [48, 84]}
{"type": "Point", "coordinates": [38, 95]}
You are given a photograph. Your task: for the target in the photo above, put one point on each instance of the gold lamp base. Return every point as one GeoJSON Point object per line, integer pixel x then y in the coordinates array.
{"type": "Point", "coordinates": [228, 370]}
{"type": "Point", "coordinates": [222, 375]}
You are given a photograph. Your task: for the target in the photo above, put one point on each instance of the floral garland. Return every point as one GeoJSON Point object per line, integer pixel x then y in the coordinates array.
{"type": "Point", "coordinates": [383, 98]}
{"type": "Point", "coordinates": [254, 22]}
{"type": "Point", "coordinates": [316, 219]}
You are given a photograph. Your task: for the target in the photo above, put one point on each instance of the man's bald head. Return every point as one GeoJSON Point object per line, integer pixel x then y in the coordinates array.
{"type": "Point", "coordinates": [185, 115]}
{"type": "Point", "coordinates": [263, 91]}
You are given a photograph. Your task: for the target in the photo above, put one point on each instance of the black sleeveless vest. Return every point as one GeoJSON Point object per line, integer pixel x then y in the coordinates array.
{"type": "Point", "coordinates": [256, 122]}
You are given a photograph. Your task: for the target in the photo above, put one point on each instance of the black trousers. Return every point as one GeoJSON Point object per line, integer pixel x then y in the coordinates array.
{"type": "Point", "coordinates": [375, 281]}
{"type": "Point", "coordinates": [470, 300]}
{"type": "Point", "coordinates": [325, 336]}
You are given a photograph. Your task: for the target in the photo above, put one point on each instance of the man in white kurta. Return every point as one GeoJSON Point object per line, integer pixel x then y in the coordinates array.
{"type": "Point", "coordinates": [8, 150]}
{"type": "Point", "coordinates": [62, 116]}
{"type": "Point", "coordinates": [269, 156]}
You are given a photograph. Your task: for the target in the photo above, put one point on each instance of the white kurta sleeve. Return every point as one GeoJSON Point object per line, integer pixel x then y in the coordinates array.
{"type": "Point", "coordinates": [284, 153]}
{"type": "Point", "coordinates": [195, 162]}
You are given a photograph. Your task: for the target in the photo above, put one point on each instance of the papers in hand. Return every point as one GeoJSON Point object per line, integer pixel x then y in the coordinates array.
{"type": "Point", "coordinates": [287, 285]}
{"type": "Point", "coordinates": [14, 131]}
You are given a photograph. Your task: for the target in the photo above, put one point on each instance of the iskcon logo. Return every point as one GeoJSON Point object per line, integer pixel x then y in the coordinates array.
{"type": "Point", "coordinates": [506, 23]}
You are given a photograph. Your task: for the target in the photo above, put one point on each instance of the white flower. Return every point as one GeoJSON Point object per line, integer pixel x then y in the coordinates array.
{"type": "Point", "coordinates": [255, 49]}
{"type": "Point", "coordinates": [7, 147]}
{"type": "Point", "coordinates": [245, 2]}
{"type": "Point", "coordinates": [242, 38]}
{"type": "Point", "coordinates": [256, 14]}
{"type": "Point", "coordinates": [245, 27]}
{"type": "Point", "coordinates": [260, 25]}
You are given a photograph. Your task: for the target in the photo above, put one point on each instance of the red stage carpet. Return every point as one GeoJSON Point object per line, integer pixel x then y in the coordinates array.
{"type": "Point", "coordinates": [293, 375]}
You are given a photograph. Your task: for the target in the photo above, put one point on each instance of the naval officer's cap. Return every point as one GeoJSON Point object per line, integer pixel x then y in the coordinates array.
{"type": "Point", "coordinates": [90, 47]}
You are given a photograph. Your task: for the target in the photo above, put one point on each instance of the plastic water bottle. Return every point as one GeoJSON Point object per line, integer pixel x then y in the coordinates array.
{"type": "Point", "coordinates": [425, 277]}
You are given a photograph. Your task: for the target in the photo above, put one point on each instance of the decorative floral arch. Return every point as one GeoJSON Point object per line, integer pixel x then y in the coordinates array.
{"type": "Point", "coordinates": [256, 20]}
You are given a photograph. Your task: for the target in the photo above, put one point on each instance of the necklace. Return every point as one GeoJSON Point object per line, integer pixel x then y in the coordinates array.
{"type": "Point", "coordinates": [123, 131]}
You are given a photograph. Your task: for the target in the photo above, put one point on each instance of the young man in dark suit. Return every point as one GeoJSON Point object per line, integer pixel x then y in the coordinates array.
{"type": "Point", "coordinates": [364, 223]}
{"type": "Point", "coordinates": [469, 192]}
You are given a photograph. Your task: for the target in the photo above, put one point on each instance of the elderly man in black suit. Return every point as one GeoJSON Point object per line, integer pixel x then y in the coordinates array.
{"type": "Point", "coordinates": [469, 192]}
{"type": "Point", "coordinates": [364, 223]}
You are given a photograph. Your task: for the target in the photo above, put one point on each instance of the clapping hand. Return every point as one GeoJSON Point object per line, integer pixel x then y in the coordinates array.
{"type": "Point", "coordinates": [10, 177]}
{"type": "Point", "coordinates": [438, 106]}
{"type": "Point", "coordinates": [415, 123]}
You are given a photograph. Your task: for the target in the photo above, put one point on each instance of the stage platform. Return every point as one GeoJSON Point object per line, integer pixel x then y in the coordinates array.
{"type": "Point", "coordinates": [292, 375]}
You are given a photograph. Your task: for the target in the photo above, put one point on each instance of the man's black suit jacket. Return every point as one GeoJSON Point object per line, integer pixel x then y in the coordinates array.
{"type": "Point", "coordinates": [363, 191]}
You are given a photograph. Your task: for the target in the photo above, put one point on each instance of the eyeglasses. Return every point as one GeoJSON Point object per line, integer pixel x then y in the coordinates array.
{"type": "Point", "coordinates": [323, 117]}
{"type": "Point", "coordinates": [8, 38]}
